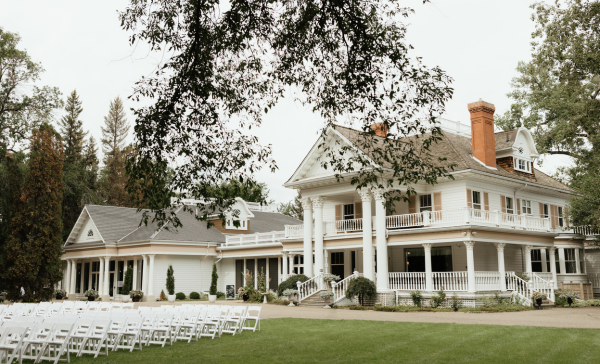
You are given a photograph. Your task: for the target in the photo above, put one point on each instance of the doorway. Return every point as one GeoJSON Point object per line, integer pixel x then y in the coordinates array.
{"type": "Point", "coordinates": [337, 264]}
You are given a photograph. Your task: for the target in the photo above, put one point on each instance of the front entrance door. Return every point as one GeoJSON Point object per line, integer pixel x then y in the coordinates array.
{"type": "Point", "coordinates": [337, 264]}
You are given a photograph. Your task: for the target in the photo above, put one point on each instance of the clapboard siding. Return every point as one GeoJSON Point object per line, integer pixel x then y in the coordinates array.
{"type": "Point", "coordinates": [226, 272]}
{"type": "Point", "coordinates": [83, 237]}
{"type": "Point", "coordinates": [592, 260]}
{"type": "Point", "coordinates": [191, 274]}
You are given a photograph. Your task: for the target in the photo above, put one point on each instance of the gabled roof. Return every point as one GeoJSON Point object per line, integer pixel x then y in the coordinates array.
{"type": "Point", "coordinates": [457, 150]}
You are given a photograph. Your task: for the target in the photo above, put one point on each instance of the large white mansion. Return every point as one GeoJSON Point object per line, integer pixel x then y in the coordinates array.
{"type": "Point", "coordinates": [498, 217]}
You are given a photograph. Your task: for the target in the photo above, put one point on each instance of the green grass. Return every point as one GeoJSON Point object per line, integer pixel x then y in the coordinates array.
{"type": "Point", "coordinates": [343, 341]}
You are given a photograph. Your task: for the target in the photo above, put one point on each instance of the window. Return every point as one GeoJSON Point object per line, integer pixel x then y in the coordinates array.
{"type": "Point", "coordinates": [536, 260]}
{"type": "Point", "coordinates": [425, 202]}
{"type": "Point", "coordinates": [546, 210]}
{"type": "Point", "coordinates": [509, 206]}
{"type": "Point", "coordinates": [349, 211]}
{"type": "Point", "coordinates": [90, 232]}
{"type": "Point", "coordinates": [581, 262]}
{"type": "Point", "coordinates": [477, 200]}
{"type": "Point", "coordinates": [548, 261]}
{"type": "Point", "coordinates": [526, 207]}
{"type": "Point", "coordinates": [570, 262]}
{"type": "Point", "coordinates": [556, 261]}
{"type": "Point", "coordinates": [561, 219]}
{"type": "Point", "coordinates": [522, 165]}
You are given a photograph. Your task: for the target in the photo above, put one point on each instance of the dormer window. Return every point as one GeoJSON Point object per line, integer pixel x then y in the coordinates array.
{"type": "Point", "coordinates": [522, 165]}
{"type": "Point", "coordinates": [242, 225]}
{"type": "Point", "coordinates": [90, 232]}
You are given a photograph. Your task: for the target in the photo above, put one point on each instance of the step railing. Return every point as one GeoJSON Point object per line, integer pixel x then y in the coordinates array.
{"type": "Point", "coordinates": [519, 287]}
{"type": "Point", "coordinates": [310, 287]}
{"type": "Point", "coordinates": [407, 281]}
{"type": "Point", "coordinates": [339, 288]}
{"type": "Point", "coordinates": [450, 281]}
{"type": "Point", "coordinates": [538, 284]}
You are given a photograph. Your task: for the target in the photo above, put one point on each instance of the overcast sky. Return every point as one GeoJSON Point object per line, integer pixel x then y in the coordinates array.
{"type": "Point", "coordinates": [81, 46]}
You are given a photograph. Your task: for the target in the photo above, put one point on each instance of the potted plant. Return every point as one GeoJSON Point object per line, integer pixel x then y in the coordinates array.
{"type": "Point", "coordinates": [212, 297]}
{"type": "Point", "coordinates": [91, 294]}
{"type": "Point", "coordinates": [127, 284]}
{"type": "Point", "coordinates": [242, 294]}
{"type": "Point", "coordinates": [571, 297]}
{"type": "Point", "coordinates": [60, 294]}
{"type": "Point", "coordinates": [290, 294]}
{"type": "Point", "coordinates": [326, 296]}
{"type": "Point", "coordinates": [249, 288]}
{"type": "Point", "coordinates": [136, 295]}
{"type": "Point", "coordinates": [171, 284]}
{"type": "Point", "coordinates": [330, 279]}
{"type": "Point", "coordinates": [538, 297]}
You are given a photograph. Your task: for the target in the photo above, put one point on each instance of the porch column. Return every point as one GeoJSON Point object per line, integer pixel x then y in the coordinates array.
{"type": "Point", "coordinates": [134, 285]}
{"type": "Point", "coordinates": [470, 265]}
{"type": "Point", "coordinates": [67, 277]}
{"type": "Point", "coordinates": [256, 273]}
{"type": "Point", "coordinates": [151, 278]}
{"type": "Point", "coordinates": [428, 271]}
{"type": "Point", "coordinates": [101, 277]}
{"type": "Point", "coordinates": [544, 261]}
{"type": "Point", "coordinates": [552, 252]}
{"type": "Point", "coordinates": [284, 261]}
{"type": "Point", "coordinates": [317, 203]}
{"type": "Point", "coordinates": [368, 268]}
{"type": "Point", "coordinates": [528, 259]}
{"type": "Point", "coordinates": [106, 289]}
{"type": "Point", "coordinates": [144, 274]}
{"type": "Point", "coordinates": [501, 269]}
{"type": "Point", "coordinates": [279, 276]}
{"type": "Point", "coordinates": [292, 257]}
{"type": "Point", "coordinates": [577, 265]}
{"type": "Point", "coordinates": [383, 278]}
{"type": "Point", "coordinates": [73, 277]}
{"type": "Point", "coordinates": [81, 290]}
{"type": "Point", "coordinates": [268, 276]}
{"type": "Point", "coordinates": [561, 261]}
{"type": "Point", "coordinates": [308, 249]}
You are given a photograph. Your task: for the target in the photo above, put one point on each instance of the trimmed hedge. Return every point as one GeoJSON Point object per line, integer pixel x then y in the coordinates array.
{"type": "Point", "coordinates": [290, 283]}
{"type": "Point", "coordinates": [180, 296]}
{"type": "Point", "coordinates": [194, 296]}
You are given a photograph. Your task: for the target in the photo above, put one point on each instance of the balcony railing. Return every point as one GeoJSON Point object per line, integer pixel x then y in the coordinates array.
{"type": "Point", "coordinates": [258, 238]}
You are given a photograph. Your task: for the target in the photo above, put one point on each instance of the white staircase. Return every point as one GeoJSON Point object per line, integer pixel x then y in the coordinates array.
{"type": "Point", "coordinates": [524, 289]}
{"type": "Point", "coordinates": [310, 287]}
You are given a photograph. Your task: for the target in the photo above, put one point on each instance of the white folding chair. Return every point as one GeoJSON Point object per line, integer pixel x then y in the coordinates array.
{"type": "Point", "coordinates": [188, 323]}
{"type": "Point", "coordinates": [161, 330]}
{"type": "Point", "coordinates": [54, 309]}
{"type": "Point", "coordinates": [130, 335]}
{"type": "Point", "coordinates": [80, 307]}
{"type": "Point", "coordinates": [128, 306]}
{"type": "Point", "coordinates": [33, 343]}
{"type": "Point", "coordinates": [105, 307]}
{"type": "Point", "coordinates": [93, 307]}
{"type": "Point", "coordinates": [78, 334]}
{"type": "Point", "coordinates": [11, 343]}
{"type": "Point", "coordinates": [96, 338]}
{"type": "Point", "coordinates": [117, 324]}
{"type": "Point", "coordinates": [114, 305]}
{"type": "Point", "coordinates": [253, 314]}
{"type": "Point", "coordinates": [41, 309]}
{"type": "Point", "coordinates": [233, 323]}
{"type": "Point", "coordinates": [211, 325]}
{"type": "Point", "coordinates": [67, 307]}
{"type": "Point", "coordinates": [145, 309]}
{"type": "Point", "coordinates": [57, 343]}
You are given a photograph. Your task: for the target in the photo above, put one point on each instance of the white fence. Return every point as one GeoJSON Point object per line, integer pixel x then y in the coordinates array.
{"type": "Point", "coordinates": [407, 281]}
{"type": "Point", "coordinates": [451, 281]}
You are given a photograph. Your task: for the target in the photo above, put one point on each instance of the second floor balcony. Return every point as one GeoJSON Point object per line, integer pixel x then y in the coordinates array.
{"type": "Point", "coordinates": [430, 219]}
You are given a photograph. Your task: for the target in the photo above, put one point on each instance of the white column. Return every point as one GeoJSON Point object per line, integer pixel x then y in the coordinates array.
{"type": "Point", "coordinates": [145, 274]}
{"type": "Point", "coordinates": [106, 276]}
{"type": "Point", "coordinates": [544, 261]}
{"type": "Point", "coordinates": [368, 268]}
{"type": "Point", "coordinates": [561, 261]}
{"type": "Point", "coordinates": [528, 258]}
{"type": "Point", "coordinates": [101, 278]}
{"type": "Point", "coordinates": [470, 265]}
{"type": "Point", "coordinates": [268, 277]}
{"type": "Point", "coordinates": [428, 270]}
{"type": "Point", "coordinates": [73, 276]}
{"type": "Point", "coordinates": [81, 290]}
{"type": "Point", "coordinates": [256, 273]}
{"type": "Point", "coordinates": [134, 285]}
{"type": "Point", "coordinates": [501, 269]}
{"type": "Point", "coordinates": [151, 276]}
{"type": "Point", "coordinates": [67, 278]}
{"type": "Point", "coordinates": [382, 252]}
{"type": "Point", "coordinates": [577, 265]}
{"type": "Point", "coordinates": [551, 252]}
{"type": "Point", "coordinates": [279, 269]}
{"type": "Point", "coordinates": [308, 249]}
{"type": "Point", "coordinates": [284, 261]}
{"type": "Point", "coordinates": [317, 204]}
{"type": "Point", "coordinates": [291, 258]}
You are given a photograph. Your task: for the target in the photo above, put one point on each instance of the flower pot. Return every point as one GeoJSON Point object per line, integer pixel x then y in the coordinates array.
{"type": "Point", "coordinates": [91, 298]}
{"type": "Point", "coordinates": [57, 297]}
{"type": "Point", "coordinates": [212, 298]}
{"type": "Point", "coordinates": [136, 299]}
{"type": "Point", "coordinates": [171, 298]}
{"type": "Point", "coordinates": [245, 298]}
{"type": "Point", "coordinates": [538, 302]}
{"type": "Point", "coordinates": [570, 301]}
{"type": "Point", "coordinates": [125, 298]}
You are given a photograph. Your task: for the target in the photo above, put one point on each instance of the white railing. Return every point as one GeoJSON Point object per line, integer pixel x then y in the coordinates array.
{"type": "Point", "coordinates": [543, 286]}
{"type": "Point", "coordinates": [310, 287]}
{"type": "Point", "coordinates": [487, 281]}
{"type": "Point", "coordinates": [519, 287]}
{"type": "Point", "coordinates": [547, 276]}
{"type": "Point", "coordinates": [294, 231]}
{"type": "Point", "coordinates": [339, 288]}
{"type": "Point", "coordinates": [450, 281]}
{"type": "Point", "coordinates": [344, 226]}
{"type": "Point", "coordinates": [404, 221]}
{"type": "Point", "coordinates": [407, 281]}
{"type": "Point", "coordinates": [537, 223]}
{"type": "Point", "coordinates": [583, 230]}
{"type": "Point", "coordinates": [257, 238]}
{"type": "Point", "coordinates": [455, 216]}
{"type": "Point", "coordinates": [255, 206]}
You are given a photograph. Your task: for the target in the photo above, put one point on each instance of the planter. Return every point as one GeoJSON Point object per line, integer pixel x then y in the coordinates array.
{"type": "Point", "coordinates": [136, 299]}
{"type": "Point", "coordinates": [212, 298]}
{"type": "Point", "coordinates": [245, 298]}
{"type": "Point", "coordinates": [570, 301]}
{"type": "Point", "coordinates": [538, 302]}
{"type": "Point", "coordinates": [57, 297]}
{"type": "Point", "coordinates": [91, 298]}
{"type": "Point", "coordinates": [171, 298]}
{"type": "Point", "coordinates": [125, 298]}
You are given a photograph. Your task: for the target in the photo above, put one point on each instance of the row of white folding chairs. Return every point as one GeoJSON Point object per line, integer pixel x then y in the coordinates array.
{"type": "Point", "coordinates": [45, 309]}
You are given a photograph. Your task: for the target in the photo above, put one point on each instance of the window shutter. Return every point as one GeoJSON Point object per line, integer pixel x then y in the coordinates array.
{"type": "Point", "coordinates": [486, 201]}
{"type": "Point", "coordinates": [412, 204]}
{"type": "Point", "coordinates": [541, 210]}
{"type": "Point", "coordinates": [338, 212]}
{"type": "Point", "coordinates": [553, 216]}
{"type": "Point", "coordinates": [518, 206]}
{"type": "Point", "coordinates": [437, 201]}
{"type": "Point", "coordinates": [469, 198]}
{"type": "Point", "coordinates": [503, 203]}
{"type": "Point", "coordinates": [358, 210]}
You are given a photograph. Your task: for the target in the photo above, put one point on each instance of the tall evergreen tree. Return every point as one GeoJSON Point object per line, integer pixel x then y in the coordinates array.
{"type": "Point", "coordinates": [71, 129]}
{"type": "Point", "coordinates": [34, 248]}
{"type": "Point", "coordinates": [114, 133]}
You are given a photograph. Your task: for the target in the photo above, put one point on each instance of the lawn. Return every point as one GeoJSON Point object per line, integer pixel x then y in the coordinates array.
{"type": "Point", "coordinates": [302, 341]}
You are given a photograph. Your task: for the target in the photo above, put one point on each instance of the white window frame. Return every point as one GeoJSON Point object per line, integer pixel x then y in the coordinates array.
{"type": "Point", "coordinates": [545, 210]}
{"type": "Point", "coordinates": [561, 219]}
{"type": "Point", "coordinates": [570, 260]}
{"type": "Point", "coordinates": [510, 206]}
{"type": "Point", "coordinates": [423, 200]}
{"type": "Point", "coordinates": [526, 207]}
{"type": "Point", "coordinates": [231, 226]}
{"type": "Point", "coordinates": [526, 165]}
{"type": "Point", "coordinates": [536, 257]}
{"type": "Point", "coordinates": [476, 205]}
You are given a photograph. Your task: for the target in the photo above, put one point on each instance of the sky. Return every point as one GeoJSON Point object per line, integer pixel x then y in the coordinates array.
{"type": "Point", "coordinates": [82, 46]}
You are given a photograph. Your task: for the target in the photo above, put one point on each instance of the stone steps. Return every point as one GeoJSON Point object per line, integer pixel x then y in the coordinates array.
{"type": "Point", "coordinates": [314, 300]}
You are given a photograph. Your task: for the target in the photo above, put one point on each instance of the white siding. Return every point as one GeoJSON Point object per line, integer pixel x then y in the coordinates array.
{"type": "Point", "coordinates": [592, 260]}
{"type": "Point", "coordinates": [190, 272]}
{"type": "Point", "coordinates": [226, 272]}
{"type": "Point", "coordinates": [83, 233]}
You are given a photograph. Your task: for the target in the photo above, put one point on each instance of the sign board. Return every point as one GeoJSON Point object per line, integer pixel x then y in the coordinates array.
{"type": "Point", "coordinates": [120, 284]}
{"type": "Point", "coordinates": [230, 292]}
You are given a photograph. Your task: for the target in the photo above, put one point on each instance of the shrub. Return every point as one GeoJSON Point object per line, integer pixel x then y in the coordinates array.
{"type": "Point", "coordinates": [220, 294]}
{"type": "Point", "coordinates": [195, 296]}
{"type": "Point", "coordinates": [560, 299]}
{"type": "Point", "coordinates": [180, 296]}
{"type": "Point", "coordinates": [213, 281]}
{"type": "Point", "coordinates": [60, 293]}
{"type": "Point", "coordinates": [455, 303]}
{"type": "Point", "coordinates": [587, 303]}
{"type": "Point", "coordinates": [438, 299]}
{"type": "Point", "coordinates": [262, 282]}
{"type": "Point", "coordinates": [136, 293]}
{"type": "Point", "coordinates": [361, 287]}
{"type": "Point", "coordinates": [162, 296]}
{"type": "Point", "coordinates": [91, 293]}
{"type": "Point", "coordinates": [417, 298]}
{"type": "Point", "coordinates": [170, 281]}
{"type": "Point", "coordinates": [360, 308]}
{"type": "Point", "coordinates": [290, 283]}
{"type": "Point", "coordinates": [127, 281]}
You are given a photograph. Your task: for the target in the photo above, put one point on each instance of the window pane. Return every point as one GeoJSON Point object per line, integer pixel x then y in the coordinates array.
{"type": "Point", "coordinates": [476, 197]}
{"type": "Point", "coordinates": [571, 267]}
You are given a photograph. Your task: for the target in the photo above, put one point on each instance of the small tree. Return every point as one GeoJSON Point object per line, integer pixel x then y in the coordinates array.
{"type": "Point", "coordinates": [361, 287]}
{"type": "Point", "coordinates": [213, 282]}
{"type": "Point", "coordinates": [170, 281]}
{"type": "Point", "coordinates": [127, 282]}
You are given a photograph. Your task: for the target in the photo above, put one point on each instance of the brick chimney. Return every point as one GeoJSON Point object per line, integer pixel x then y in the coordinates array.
{"type": "Point", "coordinates": [482, 132]}
{"type": "Point", "coordinates": [380, 129]}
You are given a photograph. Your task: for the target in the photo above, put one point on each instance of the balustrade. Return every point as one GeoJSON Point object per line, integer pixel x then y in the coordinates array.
{"type": "Point", "coordinates": [350, 225]}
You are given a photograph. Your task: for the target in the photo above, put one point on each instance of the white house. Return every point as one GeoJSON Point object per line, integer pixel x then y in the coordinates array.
{"type": "Point", "coordinates": [472, 234]}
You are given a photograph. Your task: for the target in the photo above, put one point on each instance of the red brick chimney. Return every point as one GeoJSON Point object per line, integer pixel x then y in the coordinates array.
{"type": "Point", "coordinates": [482, 132]}
{"type": "Point", "coordinates": [380, 129]}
